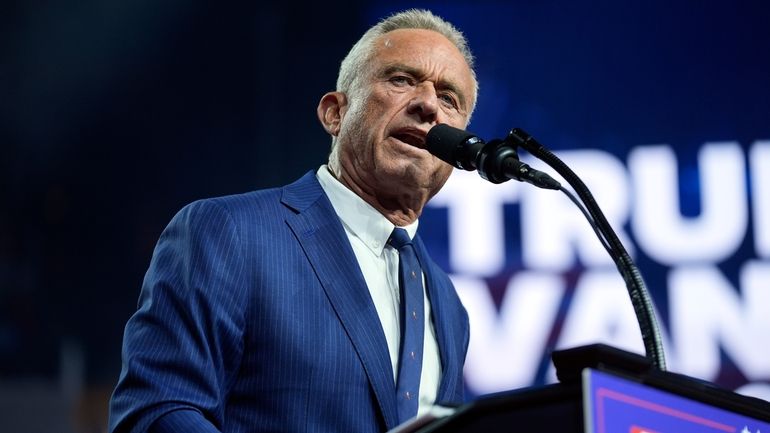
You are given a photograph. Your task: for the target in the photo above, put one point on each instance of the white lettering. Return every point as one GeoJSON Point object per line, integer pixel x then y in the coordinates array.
{"type": "Point", "coordinates": [505, 348]}
{"type": "Point", "coordinates": [759, 158]}
{"type": "Point", "coordinates": [708, 316]}
{"type": "Point", "coordinates": [475, 218]}
{"type": "Point", "coordinates": [756, 389]}
{"type": "Point", "coordinates": [601, 312]}
{"type": "Point", "coordinates": [707, 313]}
{"type": "Point", "coordinates": [657, 223]}
{"type": "Point", "coordinates": [554, 230]}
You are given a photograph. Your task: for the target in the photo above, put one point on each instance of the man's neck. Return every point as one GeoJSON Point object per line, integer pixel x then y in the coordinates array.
{"type": "Point", "coordinates": [400, 210]}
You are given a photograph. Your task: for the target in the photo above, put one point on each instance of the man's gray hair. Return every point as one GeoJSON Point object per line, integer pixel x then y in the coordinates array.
{"type": "Point", "coordinates": [354, 63]}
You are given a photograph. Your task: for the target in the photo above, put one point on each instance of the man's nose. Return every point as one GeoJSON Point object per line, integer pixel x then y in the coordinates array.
{"type": "Point", "coordinates": [424, 103]}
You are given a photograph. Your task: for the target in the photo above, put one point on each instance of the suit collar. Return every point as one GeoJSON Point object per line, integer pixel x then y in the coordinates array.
{"type": "Point", "coordinates": [302, 193]}
{"type": "Point", "coordinates": [357, 216]}
{"type": "Point", "coordinates": [319, 231]}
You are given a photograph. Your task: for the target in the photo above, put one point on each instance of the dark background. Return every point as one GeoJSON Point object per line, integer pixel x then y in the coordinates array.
{"type": "Point", "coordinates": [113, 115]}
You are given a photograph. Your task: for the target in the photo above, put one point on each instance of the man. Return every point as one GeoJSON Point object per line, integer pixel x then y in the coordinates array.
{"type": "Point", "coordinates": [281, 310]}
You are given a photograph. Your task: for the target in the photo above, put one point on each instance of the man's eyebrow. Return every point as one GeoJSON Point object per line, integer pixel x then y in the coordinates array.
{"type": "Point", "coordinates": [441, 85]}
{"type": "Point", "coordinates": [392, 68]}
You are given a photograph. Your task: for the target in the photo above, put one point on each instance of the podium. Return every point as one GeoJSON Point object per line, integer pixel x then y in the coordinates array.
{"type": "Point", "coordinates": [602, 389]}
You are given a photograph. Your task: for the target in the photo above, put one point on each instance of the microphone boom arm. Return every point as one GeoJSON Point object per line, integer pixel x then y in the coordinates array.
{"type": "Point", "coordinates": [498, 161]}
{"type": "Point", "coordinates": [637, 290]}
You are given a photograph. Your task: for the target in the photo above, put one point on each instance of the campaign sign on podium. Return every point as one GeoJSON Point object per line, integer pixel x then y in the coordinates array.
{"type": "Point", "coordinates": [616, 405]}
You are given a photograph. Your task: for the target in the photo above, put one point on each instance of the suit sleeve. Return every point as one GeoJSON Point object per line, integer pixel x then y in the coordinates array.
{"type": "Point", "coordinates": [182, 348]}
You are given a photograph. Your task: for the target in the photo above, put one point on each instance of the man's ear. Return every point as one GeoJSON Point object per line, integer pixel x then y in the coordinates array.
{"type": "Point", "coordinates": [331, 109]}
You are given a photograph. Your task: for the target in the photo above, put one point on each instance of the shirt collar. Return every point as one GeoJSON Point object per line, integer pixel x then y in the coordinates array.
{"type": "Point", "coordinates": [363, 220]}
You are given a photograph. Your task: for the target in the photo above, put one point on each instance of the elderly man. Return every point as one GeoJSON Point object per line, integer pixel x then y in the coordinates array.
{"type": "Point", "coordinates": [314, 307]}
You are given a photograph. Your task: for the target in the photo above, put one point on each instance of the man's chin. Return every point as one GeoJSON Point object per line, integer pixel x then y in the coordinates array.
{"type": "Point", "coordinates": [423, 176]}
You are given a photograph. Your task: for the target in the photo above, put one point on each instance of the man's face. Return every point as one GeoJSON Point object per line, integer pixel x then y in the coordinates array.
{"type": "Point", "coordinates": [414, 80]}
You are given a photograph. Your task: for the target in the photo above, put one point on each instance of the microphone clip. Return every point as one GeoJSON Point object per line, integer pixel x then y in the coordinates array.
{"type": "Point", "coordinates": [496, 160]}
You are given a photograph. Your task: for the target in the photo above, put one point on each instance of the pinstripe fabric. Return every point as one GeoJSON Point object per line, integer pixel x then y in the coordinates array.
{"type": "Point", "coordinates": [254, 316]}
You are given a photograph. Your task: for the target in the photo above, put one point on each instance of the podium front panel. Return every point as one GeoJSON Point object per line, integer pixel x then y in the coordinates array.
{"type": "Point", "coordinates": [616, 405]}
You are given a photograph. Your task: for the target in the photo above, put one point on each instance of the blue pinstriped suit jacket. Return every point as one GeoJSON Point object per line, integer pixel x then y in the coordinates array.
{"type": "Point", "coordinates": [254, 316]}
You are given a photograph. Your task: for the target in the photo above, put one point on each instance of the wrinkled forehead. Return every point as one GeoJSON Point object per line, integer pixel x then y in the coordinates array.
{"type": "Point", "coordinates": [418, 44]}
{"type": "Point", "coordinates": [425, 50]}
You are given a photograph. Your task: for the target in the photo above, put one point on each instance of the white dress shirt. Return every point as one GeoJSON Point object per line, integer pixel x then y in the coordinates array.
{"type": "Point", "coordinates": [368, 231]}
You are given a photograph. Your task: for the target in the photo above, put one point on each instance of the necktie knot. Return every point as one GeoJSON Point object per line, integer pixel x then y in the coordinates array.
{"type": "Point", "coordinates": [399, 238]}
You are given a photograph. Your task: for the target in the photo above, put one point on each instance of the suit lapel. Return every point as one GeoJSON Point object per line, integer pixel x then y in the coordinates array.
{"type": "Point", "coordinates": [322, 237]}
{"type": "Point", "coordinates": [442, 324]}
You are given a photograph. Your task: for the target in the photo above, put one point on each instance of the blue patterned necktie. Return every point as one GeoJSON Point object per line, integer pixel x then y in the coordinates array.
{"type": "Point", "coordinates": [412, 325]}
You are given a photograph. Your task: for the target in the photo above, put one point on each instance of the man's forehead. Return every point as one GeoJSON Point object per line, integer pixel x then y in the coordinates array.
{"type": "Point", "coordinates": [418, 51]}
{"type": "Point", "coordinates": [420, 37]}
{"type": "Point", "coordinates": [416, 47]}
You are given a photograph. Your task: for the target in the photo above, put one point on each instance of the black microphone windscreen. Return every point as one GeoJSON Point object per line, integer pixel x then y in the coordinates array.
{"type": "Point", "coordinates": [445, 141]}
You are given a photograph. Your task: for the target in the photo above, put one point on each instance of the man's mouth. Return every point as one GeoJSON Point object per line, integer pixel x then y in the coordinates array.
{"type": "Point", "coordinates": [414, 137]}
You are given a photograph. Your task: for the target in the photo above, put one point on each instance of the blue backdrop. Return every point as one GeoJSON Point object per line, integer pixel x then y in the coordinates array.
{"type": "Point", "coordinates": [663, 109]}
{"type": "Point", "coordinates": [113, 116]}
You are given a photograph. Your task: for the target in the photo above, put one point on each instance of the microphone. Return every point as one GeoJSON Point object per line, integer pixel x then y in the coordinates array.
{"type": "Point", "coordinates": [496, 161]}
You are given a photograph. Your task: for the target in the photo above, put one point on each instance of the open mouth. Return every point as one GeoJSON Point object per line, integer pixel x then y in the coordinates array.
{"type": "Point", "coordinates": [412, 137]}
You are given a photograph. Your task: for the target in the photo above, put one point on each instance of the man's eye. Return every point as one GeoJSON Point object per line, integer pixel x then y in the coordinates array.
{"type": "Point", "coordinates": [401, 80]}
{"type": "Point", "coordinates": [448, 100]}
